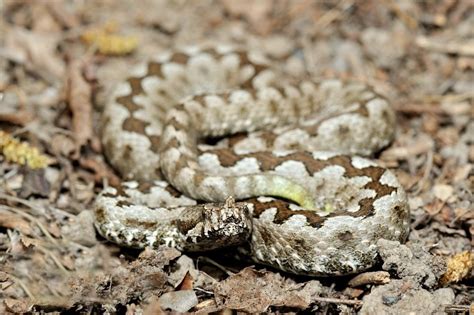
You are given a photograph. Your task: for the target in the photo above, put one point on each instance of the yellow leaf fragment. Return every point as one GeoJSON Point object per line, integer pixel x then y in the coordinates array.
{"type": "Point", "coordinates": [107, 42]}
{"type": "Point", "coordinates": [21, 153]}
{"type": "Point", "coordinates": [459, 266]}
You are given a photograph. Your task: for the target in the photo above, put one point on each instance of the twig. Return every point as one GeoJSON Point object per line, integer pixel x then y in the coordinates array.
{"type": "Point", "coordinates": [374, 277]}
{"type": "Point", "coordinates": [206, 307]}
{"type": "Point", "coordinates": [426, 173]}
{"type": "Point", "coordinates": [338, 301]}
{"type": "Point", "coordinates": [216, 264]}
{"type": "Point", "coordinates": [32, 219]}
{"type": "Point", "coordinates": [22, 285]}
{"type": "Point", "coordinates": [333, 14]}
{"type": "Point", "coordinates": [421, 145]}
{"type": "Point", "coordinates": [466, 49]}
{"type": "Point", "coordinates": [419, 109]}
{"type": "Point", "coordinates": [54, 258]}
{"type": "Point", "coordinates": [459, 308]}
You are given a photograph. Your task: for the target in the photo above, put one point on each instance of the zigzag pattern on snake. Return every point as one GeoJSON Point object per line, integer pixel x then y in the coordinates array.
{"type": "Point", "coordinates": [285, 149]}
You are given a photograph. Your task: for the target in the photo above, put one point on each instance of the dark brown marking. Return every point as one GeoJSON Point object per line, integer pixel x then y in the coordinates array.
{"type": "Point", "coordinates": [155, 143]}
{"type": "Point", "coordinates": [136, 85]}
{"type": "Point", "coordinates": [274, 109]}
{"type": "Point", "coordinates": [179, 58]}
{"type": "Point", "coordinates": [200, 98]}
{"type": "Point", "coordinates": [172, 143]}
{"type": "Point", "coordinates": [154, 69]}
{"type": "Point", "coordinates": [244, 60]}
{"type": "Point", "coordinates": [198, 178]}
{"type": "Point", "coordinates": [123, 203]}
{"type": "Point", "coordinates": [213, 53]}
{"type": "Point", "coordinates": [158, 172]}
{"type": "Point", "coordinates": [172, 191]}
{"type": "Point", "coordinates": [236, 138]}
{"type": "Point", "coordinates": [127, 100]}
{"type": "Point", "coordinates": [100, 214]}
{"type": "Point", "coordinates": [269, 138]}
{"type": "Point", "coordinates": [191, 221]}
{"type": "Point", "coordinates": [176, 124]}
{"type": "Point", "coordinates": [284, 212]}
{"type": "Point", "coordinates": [145, 187]}
{"type": "Point", "coordinates": [143, 224]}
{"type": "Point", "coordinates": [127, 152]}
{"type": "Point", "coordinates": [363, 111]}
{"type": "Point", "coordinates": [133, 124]}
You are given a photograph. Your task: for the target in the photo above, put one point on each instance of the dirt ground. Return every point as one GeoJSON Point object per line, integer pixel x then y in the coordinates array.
{"type": "Point", "coordinates": [59, 60]}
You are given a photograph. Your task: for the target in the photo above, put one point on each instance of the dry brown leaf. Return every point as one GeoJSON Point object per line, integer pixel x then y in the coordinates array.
{"type": "Point", "coordinates": [17, 306]}
{"type": "Point", "coordinates": [34, 183]}
{"type": "Point", "coordinates": [254, 291]}
{"type": "Point", "coordinates": [187, 283]}
{"type": "Point", "coordinates": [13, 221]}
{"type": "Point", "coordinates": [101, 171]}
{"type": "Point", "coordinates": [14, 109]}
{"type": "Point", "coordinates": [36, 50]}
{"type": "Point", "coordinates": [79, 97]}
{"type": "Point", "coordinates": [62, 145]}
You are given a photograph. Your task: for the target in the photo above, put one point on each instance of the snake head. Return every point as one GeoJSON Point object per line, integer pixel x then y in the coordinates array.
{"type": "Point", "coordinates": [215, 225]}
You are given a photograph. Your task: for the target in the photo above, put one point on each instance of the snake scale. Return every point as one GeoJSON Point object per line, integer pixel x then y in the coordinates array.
{"type": "Point", "coordinates": [196, 129]}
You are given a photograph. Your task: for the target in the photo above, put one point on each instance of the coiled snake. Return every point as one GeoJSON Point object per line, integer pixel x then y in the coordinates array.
{"type": "Point", "coordinates": [306, 204]}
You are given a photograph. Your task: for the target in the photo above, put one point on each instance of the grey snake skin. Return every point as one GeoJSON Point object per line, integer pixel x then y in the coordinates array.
{"type": "Point", "coordinates": [194, 130]}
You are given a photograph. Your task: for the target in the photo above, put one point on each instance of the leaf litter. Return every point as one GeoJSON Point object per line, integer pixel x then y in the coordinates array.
{"type": "Point", "coordinates": [52, 89]}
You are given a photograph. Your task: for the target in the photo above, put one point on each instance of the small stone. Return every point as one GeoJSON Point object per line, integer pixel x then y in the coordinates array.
{"type": "Point", "coordinates": [178, 301]}
{"type": "Point", "coordinates": [443, 192]}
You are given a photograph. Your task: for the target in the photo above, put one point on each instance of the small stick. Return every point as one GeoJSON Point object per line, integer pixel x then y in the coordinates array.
{"type": "Point", "coordinates": [338, 301]}
{"type": "Point", "coordinates": [374, 277]}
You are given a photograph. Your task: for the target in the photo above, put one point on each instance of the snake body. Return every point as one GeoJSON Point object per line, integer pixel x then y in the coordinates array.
{"type": "Point", "coordinates": [287, 150]}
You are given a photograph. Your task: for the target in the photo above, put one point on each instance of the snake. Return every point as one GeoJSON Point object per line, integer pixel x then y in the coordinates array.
{"type": "Point", "coordinates": [219, 147]}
